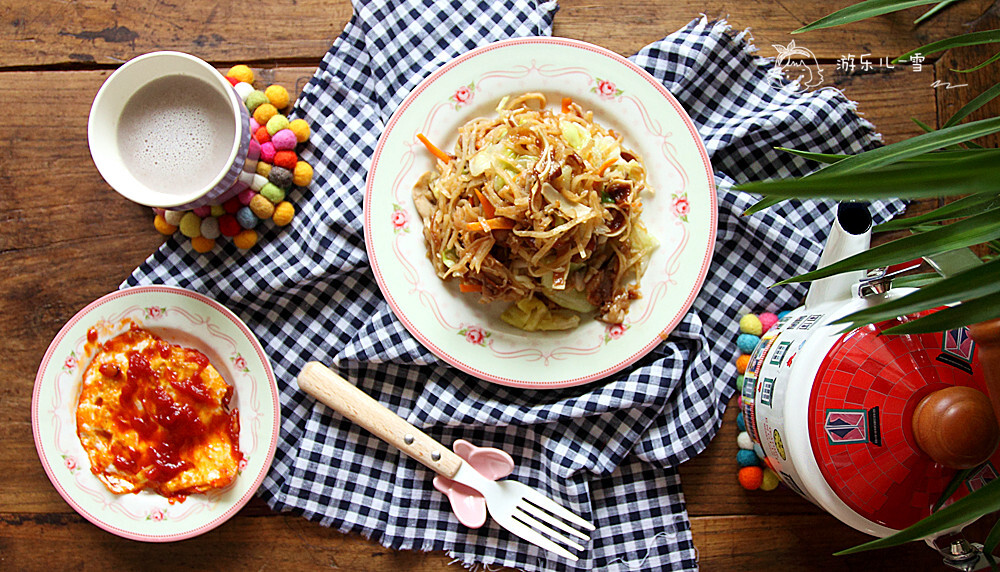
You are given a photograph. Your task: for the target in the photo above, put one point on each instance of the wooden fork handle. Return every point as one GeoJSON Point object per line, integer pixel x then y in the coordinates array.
{"type": "Point", "coordinates": [343, 397]}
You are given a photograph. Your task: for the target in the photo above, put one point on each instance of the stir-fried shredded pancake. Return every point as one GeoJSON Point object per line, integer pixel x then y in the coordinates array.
{"type": "Point", "coordinates": [541, 208]}
{"type": "Point", "coordinates": [155, 416]}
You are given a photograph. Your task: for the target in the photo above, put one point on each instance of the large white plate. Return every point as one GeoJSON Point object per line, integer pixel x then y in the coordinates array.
{"type": "Point", "coordinates": [681, 214]}
{"type": "Point", "coordinates": [181, 317]}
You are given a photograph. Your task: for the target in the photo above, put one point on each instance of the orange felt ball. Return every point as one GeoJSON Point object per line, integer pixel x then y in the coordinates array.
{"type": "Point", "coordinates": [164, 227]}
{"type": "Point", "coordinates": [202, 244]}
{"type": "Point", "coordinates": [261, 135]}
{"type": "Point", "coordinates": [286, 159]}
{"type": "Point", "coordinates": [751, 478]}
{"type": "Point", "coordinates": [742, 362]}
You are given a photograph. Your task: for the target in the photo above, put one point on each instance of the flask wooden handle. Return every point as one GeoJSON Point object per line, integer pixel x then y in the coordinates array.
{"type": "Point", "coordinates": [987, 338]}
{"type": "Point", "coordinates": [957, 426]}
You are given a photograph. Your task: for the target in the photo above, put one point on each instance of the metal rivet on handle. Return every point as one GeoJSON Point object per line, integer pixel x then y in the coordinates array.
{"type": "Point", "coordinates": [408, 439]}
{"type": "Point", "coordinates": [435, 456]}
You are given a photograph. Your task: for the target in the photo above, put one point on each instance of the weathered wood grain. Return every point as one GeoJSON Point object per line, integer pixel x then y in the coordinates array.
{"type": "Point", "coordinates": [66, 239]}
{"type": "Point", "coordinates": [100, 32]}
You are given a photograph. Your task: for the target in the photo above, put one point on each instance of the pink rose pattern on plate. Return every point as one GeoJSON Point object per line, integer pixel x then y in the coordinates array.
{"type": "Point", "coordinates": [606, 89]}
{"type": "Point", "coordinates": [157, 515]}
{"type": "Point", "coordinates": [70, 463]}
{"type": "Point", "coordinates": [240, 364]}
{"type": "Point", "coordinates": [154, 312]}
{"type": "Point", "coordinates": [399, 219]}
{"type": "Point", "coordinates": [681, 205]}
{"type": "Point", "coordinates": [613, 332]}
{"type": "Point", "coordinates": [475, 335]}
{"type": "Point", "coordinates": [463, 95]}
{"type": "Point", "coordinates": [70, 362]}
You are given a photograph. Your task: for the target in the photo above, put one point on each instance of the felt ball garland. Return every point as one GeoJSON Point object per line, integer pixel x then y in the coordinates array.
{"type": "Point", "coordinates": [278, 170]}
{"type": "Point", "coordinates": [752, 473]}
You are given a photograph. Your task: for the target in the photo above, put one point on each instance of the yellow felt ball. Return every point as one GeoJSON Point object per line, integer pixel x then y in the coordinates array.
{"type": "Point", "coordinates": [264, 113]}
{"type": "Point", "coordinates": [302, 175]}
{"type": "Point", "coordinates": [300, 128]}
{"type": "Point", "coordinates": [277, 95]}
{"type": "Point", "coordinates": [190, 225]}
{"type": "Point", "coordinates": [202, 244]}
{"type": "Point", "coordinates": [241, 73]}
{"type": "Point", "coordinates": [163, 226]}
{"type": "Point", "coordinates": [770, 480]}
{"type": "Point", "coordinates": [245, 239]}
{"type": "Point", "coordinates": [261, 207]}
{"type": "Point", "coordinates": [750, 324]}
{"type": "Point", "coordinates": [284, 212]}
{"type": "Point", "coordinates": [263, 168]}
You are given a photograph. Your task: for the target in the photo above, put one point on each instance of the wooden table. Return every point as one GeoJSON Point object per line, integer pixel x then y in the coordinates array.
{"type": "Point", "coordinates": [66, 239]}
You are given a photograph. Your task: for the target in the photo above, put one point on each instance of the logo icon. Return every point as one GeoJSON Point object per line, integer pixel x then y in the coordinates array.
{"type": "Point", "coordinates": [797, 65]}
{"type": "Point", "coordinates": [846, 426]}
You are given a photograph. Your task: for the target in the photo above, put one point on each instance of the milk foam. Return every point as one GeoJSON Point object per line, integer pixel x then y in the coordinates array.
{"type": "Point", "coordinates": [175, 134]}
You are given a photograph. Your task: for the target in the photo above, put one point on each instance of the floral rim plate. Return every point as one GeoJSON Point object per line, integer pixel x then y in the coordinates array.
{"type": "Point", "coordinates": [681, 213]}
{"type": "Point", "coordinates": [181, 317]}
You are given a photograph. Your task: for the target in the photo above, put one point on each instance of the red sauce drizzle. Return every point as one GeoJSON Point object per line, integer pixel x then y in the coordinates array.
{"type": "Point", "coordinates": [168, 424]}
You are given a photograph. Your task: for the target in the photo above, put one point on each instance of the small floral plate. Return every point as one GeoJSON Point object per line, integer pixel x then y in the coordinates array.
{"type": "Point", "coordinates": [180, 317]}
{"type": "Point", "coordinates": [681, 214]}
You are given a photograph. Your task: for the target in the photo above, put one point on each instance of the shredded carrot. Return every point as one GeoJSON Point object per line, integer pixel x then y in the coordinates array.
{"type": "Point", "coordinates": [497, 223]}
{"type": "Point", "coordinates": [566, 102]}
{"type": "Point", "coordinates": [605, 165]}
{"type": "Point", "coordinates": [488, 210]}
{"type": "Point", "coordinates": [433, 148]}
{"type": "Point", "coordinates": [470, 287]}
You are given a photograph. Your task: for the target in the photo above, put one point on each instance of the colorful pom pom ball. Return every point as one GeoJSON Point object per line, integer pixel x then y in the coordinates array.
{"type": "Point", "coordinates": [162, 226]}
{"type": "Point", "coordinates": [767, 320]}
{"type": "Point", "coordinates": [264, 113]}
{"type": "Point", "coordinates": [190, 225]}
{"type": "Point", "coordinates": [743, 441]}
{"type": "Point", "coordinates": [286, 159]}
{"type": "Point", "coordinates": [280, 177]}
{"type": "Point", "coordinates": [273, 193]}
{"type": "Point", "coordinates": [277, 123]}
{"type": "Point", "coordinates": [751, 478]}
{"type": "Point", "coordinates": [741, 423]}
{"type": "Point", "coordinates": [261, 135]}
{"type": "Point", "coordinates": [246, 218]}
{"type": "Point", "coordinates": [210, 228]}
{"type": "Point", "coordinates": [247, 196]}
{"type": "Point", "coordinates": [747, 458]}
{"type": "Point", "coordinates": [739, 383]}
{"type": "Point", "coordinates": [277, 95]}
{"type": "Point", "coordinates": [228, 225]}
{"type": "Point", "coordinates": [302, 174]}
{"type": "Point", "coordinates": [268, 152]}
{"type": "Point", "coordinates": [283, 139]}
{"type": "Point", "coordinates": [173, 217]}
{"type": "Point", "coordinates": [770, 480]}
{"type": "Point", "coordinates": [245, 239]}
{"type": "Point", "coordinates": [261, 207]}
{"type": "Point", "coordinates": [202, 244]}
{"type": "Point", "coordinates": [284, 212]}
{"type": "Point", "coordinates": [255, 100]}
{"type": "Point", "coordinates": [300, 128]}
{"type": "Point", "coordinates": [750, 324]}
{"type": "Point", "coordinates": [747, 343]}
{"type": "Point", "coordinates": [241, 73]}
{"type": "Point", "coordinates": [742, 362]}
{"type": "Point", "coordinates": [263, 169]}
{"type": "Point", "coordinates": [243, 89]}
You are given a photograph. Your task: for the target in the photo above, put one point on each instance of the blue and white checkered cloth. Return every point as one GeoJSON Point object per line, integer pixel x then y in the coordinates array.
{"type": "Point", "coordinates": [608, 450]}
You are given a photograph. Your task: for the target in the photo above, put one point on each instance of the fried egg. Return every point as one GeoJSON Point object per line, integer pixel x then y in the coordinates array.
{"type": "Point", "coordinates": [155, 416]}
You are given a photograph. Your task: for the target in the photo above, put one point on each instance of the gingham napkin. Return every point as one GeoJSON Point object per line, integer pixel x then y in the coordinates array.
{"type": "Point", "coordinates": [608, 450]}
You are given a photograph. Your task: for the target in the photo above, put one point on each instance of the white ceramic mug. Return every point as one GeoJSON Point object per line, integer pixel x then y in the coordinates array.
{"type": "Point", "coordinates": [236, 156]}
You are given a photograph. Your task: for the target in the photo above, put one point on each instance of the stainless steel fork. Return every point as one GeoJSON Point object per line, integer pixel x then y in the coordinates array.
{"type": "Point", "coordinates": [517, 507]}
